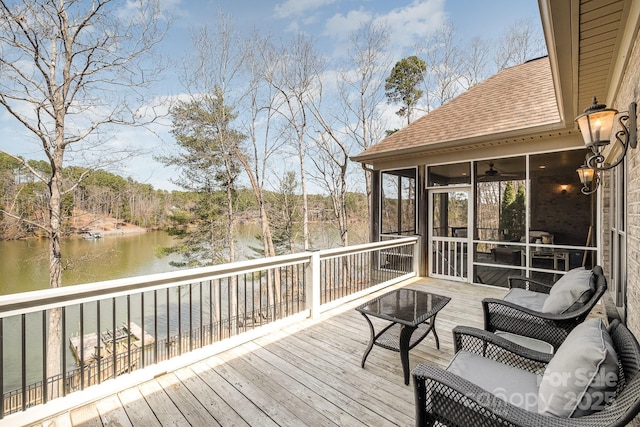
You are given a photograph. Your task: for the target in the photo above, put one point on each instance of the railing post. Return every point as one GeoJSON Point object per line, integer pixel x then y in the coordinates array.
{"type": "Point", "coordinates": [417, 255]}
{"type": "Point", "coordinates": [313, 284]}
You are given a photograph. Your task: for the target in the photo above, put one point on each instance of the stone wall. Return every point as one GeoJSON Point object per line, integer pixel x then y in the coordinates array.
{"type": "Point", "coordinates": [629, 92]}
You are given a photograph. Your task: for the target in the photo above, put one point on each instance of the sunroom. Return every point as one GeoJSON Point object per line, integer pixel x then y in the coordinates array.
{"type": "Point", "coordinates": [489, 181]}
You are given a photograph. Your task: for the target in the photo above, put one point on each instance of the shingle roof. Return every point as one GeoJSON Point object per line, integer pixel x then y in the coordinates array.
{"type": "Point", "coordinates": [516, 98]}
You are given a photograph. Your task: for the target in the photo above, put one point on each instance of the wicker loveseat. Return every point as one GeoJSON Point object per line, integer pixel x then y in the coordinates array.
{"type": "Point", "coordinates": [528, 310]}
{"type": "Point", "coordinates": [492, 381]}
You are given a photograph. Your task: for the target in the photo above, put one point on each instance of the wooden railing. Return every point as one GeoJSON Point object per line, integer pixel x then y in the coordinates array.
{"type": "Point", "coordinates": [112, 328]}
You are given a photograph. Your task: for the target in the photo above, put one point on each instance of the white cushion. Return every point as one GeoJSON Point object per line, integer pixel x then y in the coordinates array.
{"type": "Point", "coordinates": [528, 342]}
{"type": "Point", "coordinates": [513, 385]}
{"type": "Point", "coordinates": [570, 292]}
{"type": "Point", "coordinates": [522, 297]}
{"type": "Point", "coordinates": [583, 374]}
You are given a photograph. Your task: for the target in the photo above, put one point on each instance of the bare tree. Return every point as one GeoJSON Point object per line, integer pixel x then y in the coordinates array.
{"type": "Point", "coordinates": [518, 44]}
{"type": "Point", "coordinates": [356, 125]}
{"type": "Point", "coordinates": [361, 90]}
{"type": "Point", "coordinates": [292, 71]}
{"type": "Point", "coordinates": [331, 161]}
{"type": "Point", "coordinates": [445, 65]}
{"type": "Point", "coordinates": [69, 71]}
{"type": "Point", "coordinates": [285, 212]}
{"type": "Point", "coordinates": [262, 101]}
{"type": "Point", "coordinates": [475, 62]}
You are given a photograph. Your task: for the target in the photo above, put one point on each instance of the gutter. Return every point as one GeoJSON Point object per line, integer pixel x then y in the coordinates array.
{"type": "Point", "coordinates": [526, 133]}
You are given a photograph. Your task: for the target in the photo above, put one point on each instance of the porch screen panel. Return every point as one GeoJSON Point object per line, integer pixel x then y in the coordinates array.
{"type": "Point", "coordinates": [398, 202]}
{"type": "Point", "coordinates": [560, 216]}
{"type": "Point", "coordinates": [500, 219]}
{"type": "Point", "coordinates": [501, 199]}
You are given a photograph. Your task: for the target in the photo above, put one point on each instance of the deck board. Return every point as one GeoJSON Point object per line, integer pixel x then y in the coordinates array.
{"type": "Point", "coordinates": [137, 409]}
{"type": "Point", "coordinates": [304, 374]}
{"type": "Point", "coordinates": [112, 412]}
{"type": "Point", "coordinates": [189, 405]}
{"type": "Point", "coordinates": [236, 400]}
{"type": "Point", "coordinates": [162, 407]}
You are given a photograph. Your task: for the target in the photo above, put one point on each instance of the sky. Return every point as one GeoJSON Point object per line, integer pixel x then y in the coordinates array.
{"type": "Point", "coordinates": [327, 22]}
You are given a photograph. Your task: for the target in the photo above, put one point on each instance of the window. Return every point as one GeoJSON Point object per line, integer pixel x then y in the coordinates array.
{"type": "Point", "coordinates": [449, 175]}
{"type": "Point", "coordinates": [618, 254]}
{"type": "Point", "coordinates": [558, 209]}
{"type": "Point", "coordinates": [530, 217]}
{"type": "Point", "coordinates": [398, 202]}
{"type": "Point", "coordinates": [501, 199]}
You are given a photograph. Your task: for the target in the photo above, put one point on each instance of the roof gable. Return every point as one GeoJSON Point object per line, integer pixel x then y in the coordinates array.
{"type": "Point", "coordinates": [515, 99]}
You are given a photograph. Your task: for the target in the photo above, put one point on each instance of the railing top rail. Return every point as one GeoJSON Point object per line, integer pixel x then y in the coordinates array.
{"type": "Point", "coordinates": [25, 302]}
{"type": "Point", "coordinates": [367, 247]}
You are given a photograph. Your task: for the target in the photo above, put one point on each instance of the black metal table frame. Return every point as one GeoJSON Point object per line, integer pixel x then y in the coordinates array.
{"type": "Point", "coordinates": [404, 342]}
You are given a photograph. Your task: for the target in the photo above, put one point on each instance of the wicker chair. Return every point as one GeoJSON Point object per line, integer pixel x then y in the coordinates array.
{"type": "Point", "coordinates": [444, 398]}
{"type": "Point", "coordinates": [506, 316]}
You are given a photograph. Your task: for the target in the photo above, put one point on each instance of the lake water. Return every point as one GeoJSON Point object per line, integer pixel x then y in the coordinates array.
{"type": "Point", "coordinates": [24, 263]}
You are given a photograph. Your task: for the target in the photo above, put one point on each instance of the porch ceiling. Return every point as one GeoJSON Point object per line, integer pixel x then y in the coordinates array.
{"type": "Point", "coordinates": [589, 42]}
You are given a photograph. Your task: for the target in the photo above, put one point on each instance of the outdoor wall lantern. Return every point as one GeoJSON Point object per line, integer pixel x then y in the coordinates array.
{"type": "Point", "coordinates": [586, 175]}
{"type": "Point", "coordinates": [596, 126]}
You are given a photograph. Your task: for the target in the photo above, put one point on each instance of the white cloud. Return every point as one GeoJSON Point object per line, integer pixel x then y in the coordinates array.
{"type": "Point", "coordinates": [293, 27]}
{"type": "Point", "coordinates": [413, 22]}
{"type": "Point", "coordinates": [340, 26]}
{"type": "Point", "coordinates": [407, 24]}
{"type": "Point", "coordinates": [299, 7]}
{"type": "Point", "coordinates": [163, 9]}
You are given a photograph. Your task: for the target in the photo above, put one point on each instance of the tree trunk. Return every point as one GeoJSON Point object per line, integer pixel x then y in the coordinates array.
{"type": "Point", "coordinates": [305, 203]}
{"type": "Point", "coordinates": [267, 238]}
{"type": "Point", "coordinates": [54, 341]}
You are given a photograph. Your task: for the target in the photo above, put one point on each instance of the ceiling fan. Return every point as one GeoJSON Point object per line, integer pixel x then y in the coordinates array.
{"type": "Point", "coordinates": [492, 172]}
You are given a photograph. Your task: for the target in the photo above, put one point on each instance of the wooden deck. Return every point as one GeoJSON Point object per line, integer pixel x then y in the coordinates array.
{"type": "Point", "coordinates": [307, 374]}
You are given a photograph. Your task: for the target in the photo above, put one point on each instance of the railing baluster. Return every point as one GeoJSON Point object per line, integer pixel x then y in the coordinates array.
{"type": "Point", "coordinates": [190, 316]}
{"type": "Point", "coordinates": [179, 319]}
{"type": "Point", "coordinates": [81, 346]}
{"type": "Point", "coordinates": [244, 286]}
{"type": "Point", "coordinates": [332, 280]}
{"type": "Point", "coordinates": [231, 327]}
{"type": "Point", "coordinates": [155, 326]}
{"type": "Point", "coordinates": [271, 308]}
{"type": "Point", "coordinates": [201, 335]}
{"type": "Point", "coordinates": [114, 350]}
{"type": "Point", "coordinates": [219, 308]}
{"type": "Point", "coordinates": [302, 283]}
{"type": "Point", "coordinates": [142, 327]}
{"type": "Point", "coordinates": [259, 294]}
{"type": "Point", "coordinates": [169, 343]}
{"type": "Point", "coordinates": [98, 343]}
{"type": "Point", "coordinates": [64, 351]}
{"type": "Point", "coordinates": [23, 341]}
{"type": "Point", "coordinates": [128, 329]}
{"type": "Point", "coordinates": [43, 315]}
{"type": "Point", "coordinates": [237, 308]}
{"type": "Point", "coordinates": [211, 325]}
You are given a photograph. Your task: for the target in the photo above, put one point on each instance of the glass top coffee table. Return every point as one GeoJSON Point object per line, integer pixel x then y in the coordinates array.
{"type": "Point", "coordinates": [408, 311]}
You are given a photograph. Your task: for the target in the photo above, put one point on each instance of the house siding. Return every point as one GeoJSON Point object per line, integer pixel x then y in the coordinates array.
{"type": "Point", "coordinates": [629, 92]}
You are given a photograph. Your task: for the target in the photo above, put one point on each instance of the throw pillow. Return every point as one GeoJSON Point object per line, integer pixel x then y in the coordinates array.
{"type": "Point", "coordinates": [583, 374]}
{"type": "Point", "coordinates": [570, 292]}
